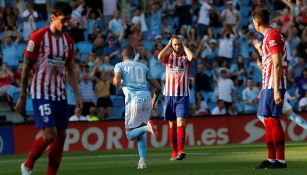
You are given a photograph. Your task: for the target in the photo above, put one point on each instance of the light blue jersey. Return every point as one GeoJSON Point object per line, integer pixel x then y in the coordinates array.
{"type": "Point", "coordinates": [134, 77]}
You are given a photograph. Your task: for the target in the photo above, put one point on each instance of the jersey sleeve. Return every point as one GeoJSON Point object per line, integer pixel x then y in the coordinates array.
{"type": "Point", "coordinates": [166, 56]}
{"type": "Point", "coordinates": [275, 42]}
{"type": "Point", "coordinates": [117, 68]}
{"type": "Point", "coordinates": [33, 46]}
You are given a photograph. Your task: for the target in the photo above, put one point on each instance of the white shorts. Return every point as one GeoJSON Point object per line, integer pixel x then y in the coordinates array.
{"type": "Point", "coordinates": [138, 110]}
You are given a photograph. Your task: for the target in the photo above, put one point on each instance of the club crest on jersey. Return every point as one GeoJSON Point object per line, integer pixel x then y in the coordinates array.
{"type": "Point", "coordinates": [30, 46]}
{"type": "Point", "coordinates": [272, 43]}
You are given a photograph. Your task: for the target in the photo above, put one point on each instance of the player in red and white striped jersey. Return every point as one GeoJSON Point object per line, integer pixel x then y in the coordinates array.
{"type": "Point", "coordinates": [274, 70]}
{"type": "Point", "coordinates": [176, 58]}
{"type": "Point", "coordinates": [50, 51]}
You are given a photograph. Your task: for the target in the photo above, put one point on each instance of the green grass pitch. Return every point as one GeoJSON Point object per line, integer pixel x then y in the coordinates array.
{"type": "Point", "coordinates": [206, 160]}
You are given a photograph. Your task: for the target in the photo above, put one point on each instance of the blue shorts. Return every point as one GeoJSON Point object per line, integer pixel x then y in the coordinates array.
{"type": "Point", "coordinates": [176, 106]}
{"type": "Point", "coordinates": [267, 106]}
{"type": "Point", "coordinates": [49, 113]}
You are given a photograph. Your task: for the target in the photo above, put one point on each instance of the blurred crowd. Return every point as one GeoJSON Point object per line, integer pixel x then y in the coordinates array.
{"type": "Point", "coordinates": [224, 79]}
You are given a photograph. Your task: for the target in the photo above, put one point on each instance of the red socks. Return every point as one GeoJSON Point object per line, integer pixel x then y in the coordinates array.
{"type": "Point", "coordinates": [180, 138]}
{"type": "Point", "coordinates": [269, 139]}
{"type": "Point", "coordinates": [172, 132]}
{"type": "Point", "coordinates": [278, 138]}
{"type": "Point", "coordinates": [37, 150]}
{"type": "Point", "coordinates": [275, 139]}
{"type": "Point", "coordinates": [55, 156]}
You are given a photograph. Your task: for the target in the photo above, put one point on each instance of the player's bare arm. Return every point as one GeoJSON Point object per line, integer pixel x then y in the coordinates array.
{"type": "Point", "coordinates": [117, 79]}
{"type": "Point", "coordinates": [188, 52]}
{"type": "Point", "coordinates": [277, 70]}
{"type": "Point", "coordinates": [72, 80]}
{"type": "Point", "coordinates": [161, 55]}
{"type": "Point", "coordinates": [21, 103]}
{"type": "Point", "coordinates": [157, 91]}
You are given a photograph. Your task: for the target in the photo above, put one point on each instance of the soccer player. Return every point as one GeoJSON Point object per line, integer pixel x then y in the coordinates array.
{"type": "Point", "coordinates": [176, 58]}
{"type": "Point", "coordinates": [50, 51]}
{"type": "Point", "coordinates": [133, 77]}
{"type": "Point", "coordinates": [274, 70]}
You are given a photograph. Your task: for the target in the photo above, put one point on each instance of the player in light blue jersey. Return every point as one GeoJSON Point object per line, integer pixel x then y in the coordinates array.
{"type": "Point", "coordinates": [134, 77]}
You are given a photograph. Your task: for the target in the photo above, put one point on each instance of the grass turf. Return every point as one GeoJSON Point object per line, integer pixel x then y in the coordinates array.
{"type": "Point", "coordinates": [208, 160]}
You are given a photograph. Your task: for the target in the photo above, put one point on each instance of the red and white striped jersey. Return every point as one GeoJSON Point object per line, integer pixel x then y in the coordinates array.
{"type": "Point", "coordinates": [273, 43]}
{"type": "Point", "coordinates": [177, 75]}
{"type": "Point", "coordinates": [50, 54]}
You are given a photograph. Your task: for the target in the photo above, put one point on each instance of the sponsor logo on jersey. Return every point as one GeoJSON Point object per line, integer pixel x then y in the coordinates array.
{"type": "Point", "coordinates": [272, 43]}
{"type": "Point", "coordinates": [56, 61]}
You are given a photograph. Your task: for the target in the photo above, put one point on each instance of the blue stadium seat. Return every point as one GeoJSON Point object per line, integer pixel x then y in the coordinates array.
{"type": "Point", "coordinates": [85, 48]}
{"type": "Point", "coordinates": [29, 106]}
{"type": "Point", "coordinates": [40, 24]}
{"type": "Point", "coordinates": [118, 106]}
{"type": "Point", "coordinates": [117, 112]}
{"type": "Point", "coordinates": [148, 45]}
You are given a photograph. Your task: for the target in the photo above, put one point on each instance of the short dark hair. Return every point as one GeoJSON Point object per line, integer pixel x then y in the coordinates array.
{"type": "Point", "coordinates": [262, 14]}
{"type": "Point", "coordinates": [128, 51]}
{"type": "Point", "coordinates": [61, 8]}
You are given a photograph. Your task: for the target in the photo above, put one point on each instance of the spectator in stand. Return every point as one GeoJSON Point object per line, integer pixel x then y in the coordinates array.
{"type": "Point", "coordinates": [238, 69]}
{"type": "Point", "coordinates": [5, 80]}
{"type": "Point", "coordinates": [192, 35]}
{"type": "Point", "coordinates": [108, 9]}
{"type": "Point", "coordinates": [201, 107]}
{"type": "Point", "coordinates": [9, 49]}
{"type": "Point", "coordinates": [17, 75]}
{"type": "Point", "coordinates": [230, 16]}
{"type": "Point", "coordinates": [103, 92]}
{"type": "Point", "coordinates": [302, 46]}
{"type": "Point", "coordinates": [116, 24]}
{"type": "Point", "coordinates": [208, 50]}
{"type": "Point", "coordinates": [93, 23]}
{"type": "Point", "coordinates": [225, 89]}
{"type": "Point", "coordinates": [219, 109]}
{"type": "Point", "coordinates": [301, 83]}
{"type": "Point", "coordinates": [204, 18]}
{"type": "Point", "coordinates": [215, 23]}
{"type": "Point", "coordinates": [77, 116]}
{"type": "Point", "coordinates": [98, 45]}
{"type": "Point", "coordinates": [200, 78]}
{"type": "Point", "coordinates": [155, 20]}
{"type": "Point", "coordinates": [92, 115]}
{"type": "Point", "coordinates": [139, 18]}
{"type": "Point", "coordinates": [142, 56]}
{"type": "Point", "coordinates": [87, 93]}
{"type": "Point", "coordinates": [41, 7]}
{"type": "Point", "coordinates": [184, 13]}
{"type": "Point", "coordinates": [112, 51]}
{"type": "Point", "coordinates": [135, 39]}
{"type": "Point", "coordinates": [166, 28]}
{"type": "Point", "coordinates": [244, 44]}
{"type": "Point", "coordinates": [226, 44]}
{"type": "Point", "coordinates": [250, 97]}
{"type": "Point", "coordinates": [298, 68]}
{"type": "Point", "coordinates": [29, 16]}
